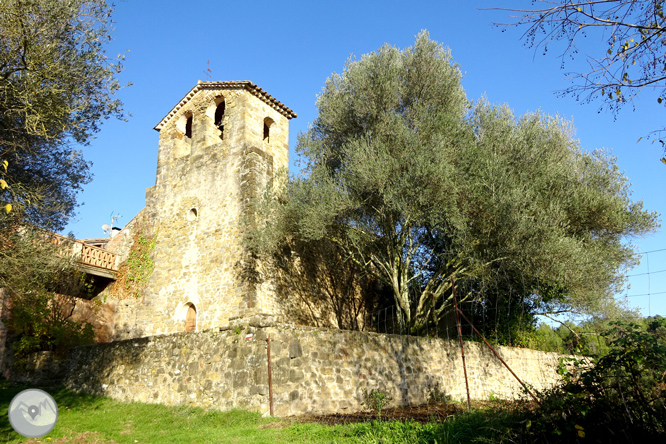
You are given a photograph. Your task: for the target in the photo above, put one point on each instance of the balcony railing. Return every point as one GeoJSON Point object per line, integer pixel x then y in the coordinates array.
{"type": "Point", "coordinates": [97, 257]}
{"type": "Point", "coordinates": [87, 255]}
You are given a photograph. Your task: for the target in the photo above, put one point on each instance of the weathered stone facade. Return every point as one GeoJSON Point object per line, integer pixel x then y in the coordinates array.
{"type": "Point", "coordinates": [218, 147]}
{"type": "Point", "coordinates": [313, 370]}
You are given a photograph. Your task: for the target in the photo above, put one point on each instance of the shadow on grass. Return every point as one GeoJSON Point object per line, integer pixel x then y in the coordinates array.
{"type": "Point", "coordinates": [63, 397]}
{"type": "Point", "coordinates": [96, 419]}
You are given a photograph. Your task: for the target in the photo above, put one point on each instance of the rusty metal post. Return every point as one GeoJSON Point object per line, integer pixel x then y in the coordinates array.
{"type": "Point", "coordinates": [270, 376]}
{"type": "Point", "coordinates": [462, 349]}
{"type": "Point", "coordinates": [498, 356]}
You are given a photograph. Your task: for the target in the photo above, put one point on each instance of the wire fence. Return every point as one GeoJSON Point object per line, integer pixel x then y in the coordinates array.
{"type": "Point", "coordinates": [647, 283]}
{"type": "Point", "coordinates": [497, 346]}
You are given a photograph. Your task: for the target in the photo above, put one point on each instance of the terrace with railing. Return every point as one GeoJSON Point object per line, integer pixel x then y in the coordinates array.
{"type": "Point", "coordinates": [91, 259]}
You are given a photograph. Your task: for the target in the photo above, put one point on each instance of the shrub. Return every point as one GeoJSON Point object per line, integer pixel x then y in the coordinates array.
{"type": "Point", "coordinates": [41, 322]}
{"type": "Point", "coordinates": [619, 398]}
{"type": "Point", "coordinates": [40, 282]}
{"type": "Point", "coordinates": [376, 400]}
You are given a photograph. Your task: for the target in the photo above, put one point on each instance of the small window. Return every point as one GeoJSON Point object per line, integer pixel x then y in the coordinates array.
{"type": "Point", "coordinates": [219, 114]}
{"type": "Point", "coordinates": [191, 318]}
{"type": "Point", "coordinates": [188, 127]}
{"type": "Point", "coordinates": [219, 117]}
{"type": "Point", "coordinates": [215, 111]}
{"type": "Point", "coordinates": [268, 124]}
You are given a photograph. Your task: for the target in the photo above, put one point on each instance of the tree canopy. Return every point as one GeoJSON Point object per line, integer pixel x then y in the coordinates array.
{"type": "Point", "coordinates": [633, 58]}
{"type": "Point", "coordinates": [56, 87]}
{"type": "Point", "coordinates": [420, 188]}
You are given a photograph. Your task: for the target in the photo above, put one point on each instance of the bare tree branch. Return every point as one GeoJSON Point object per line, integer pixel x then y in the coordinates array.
{"type": "Point", "coordinates": [635, 57]}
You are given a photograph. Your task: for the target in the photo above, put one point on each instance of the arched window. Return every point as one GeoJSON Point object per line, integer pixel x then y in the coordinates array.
{"type": "Point", "coordinates": [188, 127]}
{"type": "Point", "coordinates": [191, 318]}
{"type": "Point", "coordinates": [184, 124]}
{"type": "Point", "coordinates": [268, 125]}
{"type": "Point", "coordinates": [219, 118]}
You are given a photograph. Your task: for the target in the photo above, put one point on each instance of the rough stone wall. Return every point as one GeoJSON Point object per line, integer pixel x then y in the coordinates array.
{"type": "Point", "coordinates": [98, 314]}
{"type": "Point", "coordinates": [202, 187]}
{"type": "Point", "coordinates": [122, 242]}
{"type": "Point", "coordinates": [313, 370]}
{"type": "Point", "coordinates": [41, 368]}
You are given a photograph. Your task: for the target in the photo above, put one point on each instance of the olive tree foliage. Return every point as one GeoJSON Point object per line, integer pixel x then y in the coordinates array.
{"type": "Point", "coordinates": [56, 87]}
{"type": "Point", "coordinates": [423, 190]}
{"type": "Point", "coordinates": [633, 58]}
{"type": "Point", "coordinates": [372, 189]}
{"type": "Point", "coordinates": [552, 218]}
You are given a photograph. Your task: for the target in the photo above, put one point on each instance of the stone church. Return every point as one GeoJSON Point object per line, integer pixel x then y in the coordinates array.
{"type": "Point", "coordinates": [218, 147]}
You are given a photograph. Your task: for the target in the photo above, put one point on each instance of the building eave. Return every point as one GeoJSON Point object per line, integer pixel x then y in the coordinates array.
{"type": "Point", "coordinates": [226, 85]}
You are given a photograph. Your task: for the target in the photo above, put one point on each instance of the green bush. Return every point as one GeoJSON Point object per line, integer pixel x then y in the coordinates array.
{"type": "Point", "coordinates": [376, 400]}
{"type": "Point", "coordinates": [619, 398]}
{"type": "Point", "coordinates": [40, 322]}
{"type": "Point", "coordinates": [41, 285]}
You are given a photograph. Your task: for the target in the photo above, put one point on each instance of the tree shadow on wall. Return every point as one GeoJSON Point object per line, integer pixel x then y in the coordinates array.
{"type": "Point", "coordinates": [414, 385]}
{"type": "Point", "coordinates": [318, 287]}
{"type": "Point", "coordinates": [379, 377]}
{"type": "Point", "coordinates": [91, 368]}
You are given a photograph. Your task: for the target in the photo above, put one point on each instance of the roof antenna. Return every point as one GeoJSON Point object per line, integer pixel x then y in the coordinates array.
{"type": "Point", "coordinates": [207, 71]}
{"type": "Point", "coordinates": [109, 229]}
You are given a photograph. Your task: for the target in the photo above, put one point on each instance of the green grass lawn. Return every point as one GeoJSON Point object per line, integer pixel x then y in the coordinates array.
{"type": "Point", "coordinates": [96, 420]}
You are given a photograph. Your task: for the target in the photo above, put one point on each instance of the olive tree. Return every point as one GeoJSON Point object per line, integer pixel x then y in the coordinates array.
{"type": "Point", "coordinates": [552, 221]}
{"type": "Point", "coordinates": [56, 86]}
{"type": "Point", "coordinates": [39, 289]}
{"type": "Point", "coordinates": [421, 189]}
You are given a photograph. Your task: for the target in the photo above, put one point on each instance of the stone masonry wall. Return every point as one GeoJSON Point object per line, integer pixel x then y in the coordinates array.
{"type": "Point", "coordinates": [122, 243]}
{"type": "Point", "coordinates": [313, 370]}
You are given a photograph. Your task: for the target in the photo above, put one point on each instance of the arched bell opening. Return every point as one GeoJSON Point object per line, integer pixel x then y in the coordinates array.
{"type": "Point", "coordinates": [190, 317]}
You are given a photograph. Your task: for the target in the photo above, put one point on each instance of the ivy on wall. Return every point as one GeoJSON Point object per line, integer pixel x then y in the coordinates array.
{"type": "Point", "coordinates": [133, 274]}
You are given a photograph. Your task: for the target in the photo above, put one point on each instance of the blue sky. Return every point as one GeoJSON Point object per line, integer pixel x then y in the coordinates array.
{"type": "Point", "coordinates": [289, 48]}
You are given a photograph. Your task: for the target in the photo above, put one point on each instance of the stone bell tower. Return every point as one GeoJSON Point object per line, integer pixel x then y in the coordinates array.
{"type": "Point", "coordinates": [218, 147]}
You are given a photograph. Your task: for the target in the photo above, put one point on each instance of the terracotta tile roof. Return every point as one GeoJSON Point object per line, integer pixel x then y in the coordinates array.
{"type": "Point", "coordinates": [234, 84]}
